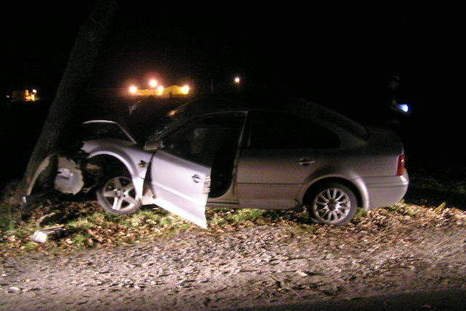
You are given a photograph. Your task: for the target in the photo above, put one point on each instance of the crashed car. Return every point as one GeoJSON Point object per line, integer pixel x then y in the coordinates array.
{"type": "Point", "coordinates": [221, 153]}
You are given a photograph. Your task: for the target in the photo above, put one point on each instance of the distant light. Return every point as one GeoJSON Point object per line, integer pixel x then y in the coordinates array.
{"type": "Point", "coordinates": [185, 89]}
{"type": "Point", "coordinates": [237, 80]}
{"type": "Point", "coordinates": [133, 89]}
{"type": "Point", "coordinates": [153, 83]}
{"type": "Point", "coordinates": [34, 91]}
{"type": "Point", "coordinates": [159, 90]}
{"type": "Point", "coordinates": [404, 107]}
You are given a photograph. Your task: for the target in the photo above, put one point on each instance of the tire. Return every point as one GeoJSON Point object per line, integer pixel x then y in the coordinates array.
{"type": "Point", "coordinates": [118, 196]}
{"type": "Point", "coordinates": [332, 204]}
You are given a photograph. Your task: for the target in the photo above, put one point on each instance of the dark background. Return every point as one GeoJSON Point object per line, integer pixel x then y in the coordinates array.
{"type": "Point", "coordinates": [341, 57]}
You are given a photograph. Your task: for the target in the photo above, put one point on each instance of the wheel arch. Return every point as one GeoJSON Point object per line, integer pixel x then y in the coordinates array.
{"type": "Point", "coordinates": [355, 185]}
{"type": "Point", "coordinates": [106, 155]}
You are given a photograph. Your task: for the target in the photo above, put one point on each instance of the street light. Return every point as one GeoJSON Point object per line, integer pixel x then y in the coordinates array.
{"type": "Point", "coordinates": [133, 89]}
{"type": "Point", "coordinates": [159, 90]}
{"type": "Point", "coordinates": [237, 80]}
{"type": "Point", "coordinates": [153, 83]}
{"type": "Point", "coordinates": [185, 89]}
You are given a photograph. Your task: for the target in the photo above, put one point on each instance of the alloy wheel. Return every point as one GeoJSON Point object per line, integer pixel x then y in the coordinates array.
{"type": "Point", "coordinates": [120, 194]}
{"type": "Point", "coordinates": [331, 205]}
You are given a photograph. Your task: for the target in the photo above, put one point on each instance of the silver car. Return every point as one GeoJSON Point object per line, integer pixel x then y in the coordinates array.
{"type": "Point", "coordinates": [220, 153]}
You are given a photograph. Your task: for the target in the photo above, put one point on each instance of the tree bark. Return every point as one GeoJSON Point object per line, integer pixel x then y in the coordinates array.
{"type": "Point", "coordinates": [79, 69]}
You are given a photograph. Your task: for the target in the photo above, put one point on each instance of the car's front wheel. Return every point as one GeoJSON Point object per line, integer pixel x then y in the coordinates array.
{"type": "Point", "coordinates": [118, 196]}
{"type": "Point", "coordinates": [332, 203]}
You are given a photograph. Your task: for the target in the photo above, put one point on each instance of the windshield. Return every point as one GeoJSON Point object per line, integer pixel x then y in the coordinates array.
{"type": "Point", "coordinates": [162, 123]}
{"type": "Point", "coordinates": [151, 117]}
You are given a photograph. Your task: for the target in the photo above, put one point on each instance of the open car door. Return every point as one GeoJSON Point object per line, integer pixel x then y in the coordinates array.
{"type": "Point", "coordinates": [187, 157]}
{"type": "Point", "coordinates": [181, 186]}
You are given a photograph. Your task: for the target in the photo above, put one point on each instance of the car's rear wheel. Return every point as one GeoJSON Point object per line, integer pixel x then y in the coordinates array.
{"type": "Point", "coordinates": [332, 203]}
{"type": "Point", "coordinates": [118, 196]}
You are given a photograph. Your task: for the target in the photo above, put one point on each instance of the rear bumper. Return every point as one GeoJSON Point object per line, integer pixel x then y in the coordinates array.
{"type": "Point", "coordinates": [386, 191]}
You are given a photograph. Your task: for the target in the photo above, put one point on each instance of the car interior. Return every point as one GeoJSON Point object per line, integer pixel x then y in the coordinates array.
{"type": "Point", "coordinates": [212, 141]}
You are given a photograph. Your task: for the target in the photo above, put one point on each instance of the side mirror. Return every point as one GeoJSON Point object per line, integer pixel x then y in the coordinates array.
{"type": "Point", "coordinates": [154, 145]}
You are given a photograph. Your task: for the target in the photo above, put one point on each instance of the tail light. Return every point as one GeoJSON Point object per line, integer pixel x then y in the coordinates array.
{"type": "Point", "coordinates": [401, 167]}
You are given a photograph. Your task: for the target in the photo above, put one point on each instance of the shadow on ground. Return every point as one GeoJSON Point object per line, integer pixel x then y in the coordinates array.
{"type": "Point", "coordinates": [438, 300]}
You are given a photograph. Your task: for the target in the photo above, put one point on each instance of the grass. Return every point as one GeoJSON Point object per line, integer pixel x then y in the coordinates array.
{"type": "Point", "coordinates": [30, 246]}
{"type": "Point", "coordinates": [247, 215]}
{"type": "Point", "coordinates": [404, 209]}
{"type": "Point", "coordinates": [306, 228]}
{"type": "Point", "coordinates": [82, 240]}
{"type": "Point", "coordinates": [360, 214]}
{"type": "Point", "coordinates": [87, 226]}
{"type": "Point", "coordinates": [81, 224]}
{"type": "Point", "coordinates": [223, 217]}
{"type": "Point", "coordinates": [9, 218]}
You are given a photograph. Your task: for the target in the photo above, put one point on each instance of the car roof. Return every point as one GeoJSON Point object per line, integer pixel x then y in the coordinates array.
{"type": "Point", "coordinates": [268, 103]}
{"type": "Point", "coordinates": [235, 102]}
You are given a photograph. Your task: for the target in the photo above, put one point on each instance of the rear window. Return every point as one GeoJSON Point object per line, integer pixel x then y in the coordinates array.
{"type": "Point", "coordinates": [318, 112]}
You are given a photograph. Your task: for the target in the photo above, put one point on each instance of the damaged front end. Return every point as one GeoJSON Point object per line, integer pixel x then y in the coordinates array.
{"type": "Point", "coordinates": [65, 174]}
{"type": "Point", "coordinates": [69, 178]}
{"type": "Point", "coordinates": [70, 171]}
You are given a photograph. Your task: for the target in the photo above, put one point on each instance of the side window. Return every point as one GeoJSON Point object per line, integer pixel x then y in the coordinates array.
{"type": "Point", "coordinates": [274, 130]}
{"type": "Point", "coordinates": [202, 140]}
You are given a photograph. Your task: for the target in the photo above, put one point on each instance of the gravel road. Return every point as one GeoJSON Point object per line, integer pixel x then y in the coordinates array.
{"type": "Point", "coordinates": [275, 265]}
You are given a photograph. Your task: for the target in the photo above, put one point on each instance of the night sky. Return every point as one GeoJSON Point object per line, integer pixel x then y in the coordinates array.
{"type": "Point", "coordinates": [342, 57]}
{"type": "Point", "coordinates": [313, 50]}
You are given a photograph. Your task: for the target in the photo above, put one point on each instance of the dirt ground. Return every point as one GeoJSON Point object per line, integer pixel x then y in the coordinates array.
{"type": "Point", "coordinates": [411, 258]}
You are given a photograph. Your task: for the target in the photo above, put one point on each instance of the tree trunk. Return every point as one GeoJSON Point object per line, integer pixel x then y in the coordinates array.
{"type": "Point", "coordinates": [78, 72]}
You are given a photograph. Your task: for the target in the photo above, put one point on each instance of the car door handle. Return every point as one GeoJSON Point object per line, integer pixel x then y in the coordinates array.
{"type": "Point", "coordinates": [305, 162]}
{"type": "Point", "coordinates": [196, 178]}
